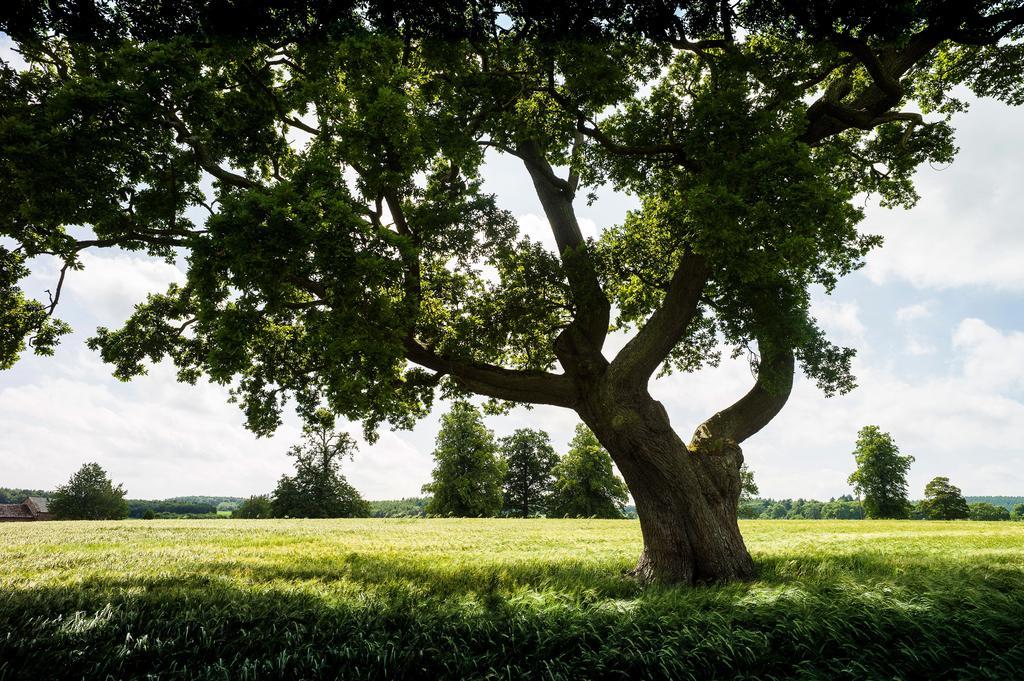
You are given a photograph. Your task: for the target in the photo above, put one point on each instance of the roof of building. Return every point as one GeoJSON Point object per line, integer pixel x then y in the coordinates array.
{"type": "Point", "coordinates": [38, 504]}
{"type": "Point", "coordinates": [8, 511]}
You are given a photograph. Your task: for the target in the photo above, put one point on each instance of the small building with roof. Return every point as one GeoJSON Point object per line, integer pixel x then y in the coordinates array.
{"type": "Point", "coordinates": [33, 508]}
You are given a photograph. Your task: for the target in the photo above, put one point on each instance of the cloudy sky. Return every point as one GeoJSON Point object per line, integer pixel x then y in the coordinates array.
{"type": "Point", "coordinates": [936, 316]}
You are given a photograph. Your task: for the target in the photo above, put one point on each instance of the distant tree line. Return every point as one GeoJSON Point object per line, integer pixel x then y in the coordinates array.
{"type": "Point", "coordinates": [476, 475]}
{"type": "Point", "coordinates": [521, 475]}
{"type": "Point", "coordinates": [843, 508]}
{"type": "Point", "coordinates": [15, 495]}
{"type": "Point", "coordinates": [410, 507]}
{"type": "Point", "coordinates": [169, 508]}
{"type": "Point", "coordinates": [881, 480]}
{"type": "Point", "coordinates": [848, 508]}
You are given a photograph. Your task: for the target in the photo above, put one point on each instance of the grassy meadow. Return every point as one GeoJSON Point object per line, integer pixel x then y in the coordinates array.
{"type": "Point", "coordinates": [502, 599]}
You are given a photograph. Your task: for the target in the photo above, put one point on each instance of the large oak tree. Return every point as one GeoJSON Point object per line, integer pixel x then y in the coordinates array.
{"type": "Point", "coordinates": [351, 259]}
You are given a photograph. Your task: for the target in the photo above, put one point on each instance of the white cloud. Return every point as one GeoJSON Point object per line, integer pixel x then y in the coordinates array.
{"type": "Point", "coordinates": [108, 287]}
{"type": "Point", "coordinates": [965, 231]}
{"type": "Point", "coordinates": [9, 55]}
{"type": "Point", "coordinates": [951, 423]}
{"type": "Point", "coordinates": [840, 320]}
{"type": "Point", "coordinates": [991, 359]}
{"type": "Point", "coordinates": [537, 228]}
{"type": "Point", "coordinates": [157, 436]}
{"type": "Point", "coordinates": [918, 347]}
{"type": "Point", "coordinates": [111, 285]}
{"type": "Point", "coordinates": [913, 312]}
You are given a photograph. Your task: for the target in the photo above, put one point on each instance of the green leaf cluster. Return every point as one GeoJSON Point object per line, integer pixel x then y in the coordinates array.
{"type": "Point", "coordinates": [468, 473]}
{"type": "Point", "coordinates": [881, 475]}
{"type": "Point", "coordinates": [89, 495]}
{"type": "Point", "coordinates": [585, 483]}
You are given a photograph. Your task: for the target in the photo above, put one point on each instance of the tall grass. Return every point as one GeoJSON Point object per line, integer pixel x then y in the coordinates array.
{"type": "Point", "coordinates": [504, 599]}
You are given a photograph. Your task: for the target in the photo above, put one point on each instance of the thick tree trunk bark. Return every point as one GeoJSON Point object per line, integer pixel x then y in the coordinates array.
{"type": "Point", "coordinates": [686, 496]}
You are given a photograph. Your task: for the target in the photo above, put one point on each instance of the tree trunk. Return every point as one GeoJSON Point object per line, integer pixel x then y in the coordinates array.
{"type": "Point", "coordinates": [686, 496]}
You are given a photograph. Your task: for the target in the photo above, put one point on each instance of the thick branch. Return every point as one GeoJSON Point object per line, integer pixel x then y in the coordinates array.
{"type": "Point", "coordinates": [878, 72]}
{"type": "Point", "coordinates": [675, 151]}
{"type": "Point", "coordinates": [276, 102]}
{"type": "Point", "coordinates": [864, 120]}
{"type": "Point", "coordinates": [642, 355]}
{"type": "Point", "coordinates": [205, 158]}
{"type": "Point", "coordinates": [586, 334]}
{"type": "Point", "coordinates": [534, 387]}
{"type": "Point", "coordinates": [828, 116]}
{"type": "Point", "coordinates": [757, 408]}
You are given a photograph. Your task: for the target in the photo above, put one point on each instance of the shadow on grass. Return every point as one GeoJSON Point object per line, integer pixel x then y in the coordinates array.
{"type": "Point", "coordinates": [867, 615]}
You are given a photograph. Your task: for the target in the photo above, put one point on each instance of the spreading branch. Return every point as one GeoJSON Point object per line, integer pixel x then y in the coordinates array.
{"type": "Point", "coordinates": [586, 333]}
{"type": "Point", "coordinates": [759, 406]}
{"type": "Point", "coordinates": [642, 355]}
{"type": "Point", "coordinates": [205, 158]}
{"type": "Point", "coordinates": [536, 387]}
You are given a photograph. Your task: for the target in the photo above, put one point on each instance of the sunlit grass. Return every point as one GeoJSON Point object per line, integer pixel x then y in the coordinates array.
{"type": "Point", "coordinates": [502, 599]}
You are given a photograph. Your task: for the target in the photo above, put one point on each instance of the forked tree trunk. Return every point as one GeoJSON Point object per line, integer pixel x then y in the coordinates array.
{"type": "Point", "coordinates": [686, 497]}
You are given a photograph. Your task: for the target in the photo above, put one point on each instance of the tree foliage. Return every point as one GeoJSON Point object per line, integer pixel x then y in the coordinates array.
{"type": "Point", "coordinates": [843, 508]}
{"type": "Point", "coordinates": [943, 501]}
{"type": "Point", "coordinates": [169, 508]}
{"type": "Point", "coordinates": [318, 489]}
{"type": "Point", "coordinates": [15, 495]}
{"type": "Point", "coordinates": [411, 507]}
{"type": "Point", "coordinates": [881, 475]}
{"type": "Point", "coordinates": [468, 474]}
{"type": "Point", "coordinates": [89, 495]}
{"type": "Point", "coordinates": [328, 262]}
{"type": "Point", "coordinates": [986, 511]}
{"type": "Point", "coordinates": [256, 506]}
{"type": "Point", "coordinates": [748, 486]}
{"type": "Point", "coordinates": [529, 461]}
{"type": "Point", "coordinates": [585, 485]}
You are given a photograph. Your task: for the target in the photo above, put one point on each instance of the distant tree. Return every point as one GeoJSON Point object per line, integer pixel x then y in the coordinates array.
{"type": "Point", "coordinates": [318, 489]}
{"type": "Point", "coordinates": [748, 511]}
{"type": "Point", "coordinates": [986, 511]}
{"type": "Point", "coordinates": [411, 507]}
{"type": "Point", "coordinates": [468, 474]}
{"type": "Point", "coordinates": [89, 495]}
{"type": "Point", "coordinates": [881, 475]}
{"type": "Point", "coordinates": [776, 511]}
{"type": "Point", "coordinates": [803, 509]}
{"type": "Point", "coordinates": [529, 459]}
{"type": "Point", "coordinates": [747, 507]}
{"type": "Point", "coordinates": [748, 488]}
{"type": "Point", "coordinates": [843, 508]}
{"type": "Point", "coordinates": [943, 501]}
{"type": "Point", "coordinates": [1018, 512]}
{"type": "Point", "coordinates": [256, 506]}
{"type": "Point", "coordinates": [585, 484]}
{"type": "Point", "coordinates": [9, 495]}
{"type": "Point", "coordinates": [149, 514]}
{"type": "Point", "coordinates": [168, 508]}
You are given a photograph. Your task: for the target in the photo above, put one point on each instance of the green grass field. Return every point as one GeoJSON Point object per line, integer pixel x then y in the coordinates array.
{"type": "Point", "coordinates": [509, 599]}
